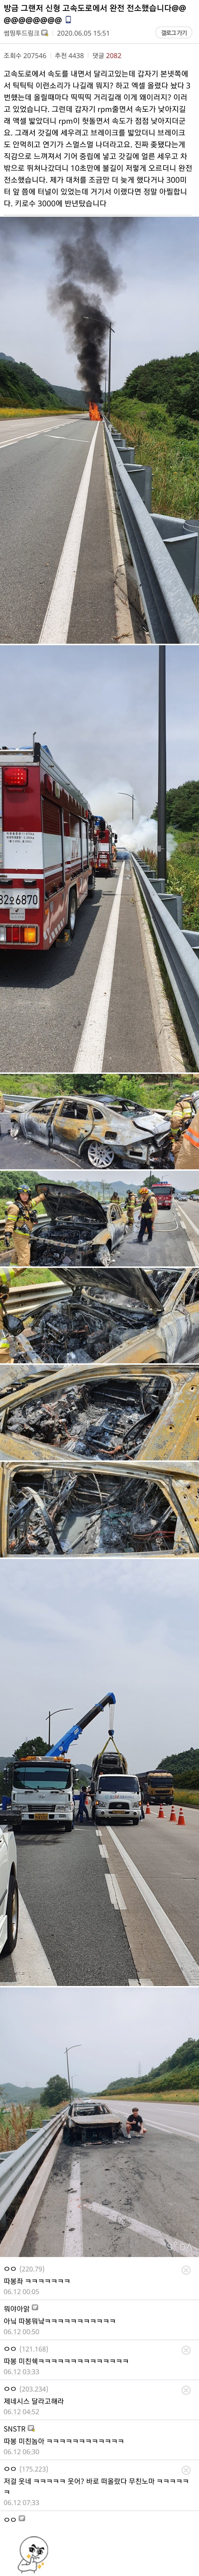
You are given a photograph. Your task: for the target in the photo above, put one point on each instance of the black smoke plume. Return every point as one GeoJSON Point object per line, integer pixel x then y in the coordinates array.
{"type": "Point", "coordinates": [86, 276]}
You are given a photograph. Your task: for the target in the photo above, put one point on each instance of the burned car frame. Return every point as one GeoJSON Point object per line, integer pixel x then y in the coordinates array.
{"type": "Point", "coordinates": [99, 1131]}
{"type": "Point", "coordinates": [119, 1425]}
{"type": "Point", "coordinates": [88, 2121]}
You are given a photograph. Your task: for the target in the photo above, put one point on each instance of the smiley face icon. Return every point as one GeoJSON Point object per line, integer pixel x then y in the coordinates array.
{"type": "Point", "coordinates": [32, 2554]}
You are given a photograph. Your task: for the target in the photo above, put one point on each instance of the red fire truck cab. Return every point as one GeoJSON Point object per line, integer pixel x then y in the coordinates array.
{"type": "Point", "coordinates": [103, 845]}
{"type": "Point", "coordinates": [47, 854]}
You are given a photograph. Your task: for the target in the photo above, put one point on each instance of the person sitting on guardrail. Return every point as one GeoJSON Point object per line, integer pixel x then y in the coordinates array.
{"type": "Point", "coordinates": [148, 1211]}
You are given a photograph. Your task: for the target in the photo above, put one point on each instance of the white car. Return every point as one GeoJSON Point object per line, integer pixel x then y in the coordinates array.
{"type": "Point", "coordinates": [9, 1895]}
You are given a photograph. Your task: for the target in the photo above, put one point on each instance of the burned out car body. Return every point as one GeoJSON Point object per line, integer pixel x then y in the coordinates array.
{"type": "Point", "coordinates": [103, 1450]}
{"type": "Point", "coordinates": [93, 2121]}
{"type": "Point", "coordinates": [97, 1131]}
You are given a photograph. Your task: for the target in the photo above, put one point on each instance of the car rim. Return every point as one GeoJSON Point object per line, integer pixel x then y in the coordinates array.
{"type": "Point", "coordinates": [73, 913]}
{"type": "Point", "coordinates": [14, 1913]}
{"type": "Point", "coordinates": [100, 1154]}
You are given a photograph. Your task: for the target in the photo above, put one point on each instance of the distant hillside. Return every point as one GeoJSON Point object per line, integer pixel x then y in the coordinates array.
{"type": "Point", "coordinates": [19, 2093]}
{"type": "Point", "coordinates": [182, 808]}
{"type": "Point", "coordinates": [172, 381]}
{"type": "Point", "coordinates": [19, 385]}
{"type": "Point", "coordinates": [184, 1767]}
{"type": "Point", "coordinates": [178, 2072]}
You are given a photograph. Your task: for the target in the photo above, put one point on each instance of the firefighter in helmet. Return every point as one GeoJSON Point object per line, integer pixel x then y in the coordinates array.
{"type": "Point", "coordinates": [148, 1211]}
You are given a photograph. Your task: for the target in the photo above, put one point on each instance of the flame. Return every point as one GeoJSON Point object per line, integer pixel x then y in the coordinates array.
{"type": "Point", "coordinates": [94, 414]}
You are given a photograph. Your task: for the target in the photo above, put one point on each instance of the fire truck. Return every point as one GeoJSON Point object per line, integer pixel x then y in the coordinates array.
{"type": "Point", "coordinates": [103, 846]}
{"type": "Point", "coordinates": [47, 852]}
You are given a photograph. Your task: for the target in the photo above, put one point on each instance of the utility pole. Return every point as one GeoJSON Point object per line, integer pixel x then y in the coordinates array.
{"type": "Point", "coordinates": [109, 369]}
{"type": "Point", "coordinates": [105, 398]}
{"type": "Point", "coordinates": [57, 1712]}
{"type": "Point", "coordinates": [162, 782]}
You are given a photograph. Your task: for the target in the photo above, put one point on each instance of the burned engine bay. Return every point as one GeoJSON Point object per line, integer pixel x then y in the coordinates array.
{"type": "Point", "coordinates": [99, 1411]}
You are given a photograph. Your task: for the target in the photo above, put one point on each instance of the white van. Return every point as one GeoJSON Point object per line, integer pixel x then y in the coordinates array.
{"type": "Point", "coordinates": [118, 1797]}
{"type": "Point", "coordinates": [42, 1793]}
{"type": "Point", "coordinates": [9, 1898]}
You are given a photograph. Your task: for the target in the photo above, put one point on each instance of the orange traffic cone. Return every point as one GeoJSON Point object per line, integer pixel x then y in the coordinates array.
{"type": "Point", "coordinates": [173, 1816]}
{"type": "Point", "coordinates": [161, 1812]}
{"type": "Point", "coordinates": [181, 1818]}
{"type": "Point", "coordinates": [148, 1810]}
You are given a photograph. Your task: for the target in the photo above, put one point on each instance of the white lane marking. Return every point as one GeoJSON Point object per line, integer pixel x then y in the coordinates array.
{"type": "Point", "coordinates": [189, 1220]}
{"type": "Point", "coordinates": [32, 429]}
{"type": "Point", "coordinates": [111, 1890]}
{"type": "Point", "coordinates": [120, 1899]}
{"type": "Point", "coordinates": [174, 2244]}
{"type": "Point", "coordinates": [92, 1044]}
{"type": "Point", "coordinates": [171, 2120]}
{"type": "Point", "coordinates": [186, 1222]}
{"type": "Point", "coordinates": [31, 1968]}
{"type": "Point", "coordinates": [192, 1249]}
{"type": "Point", "coordinates": [57, 620]}
{"type": "Point", "coordinates": [189, 1966]}
{"type": "Point", "coordinates": [73, 2239]}
{"type": "Point", "coordinates": [111, 1881]}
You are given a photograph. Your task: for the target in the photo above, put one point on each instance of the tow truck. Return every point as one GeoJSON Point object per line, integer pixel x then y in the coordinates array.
{"type": "Point", "coordinates": [47, 854]}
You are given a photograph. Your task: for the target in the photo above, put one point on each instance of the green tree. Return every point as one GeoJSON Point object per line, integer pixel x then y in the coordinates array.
{"type": "Point", "coordinates": [55, 2091]}
{"type": "Point", "coordinates": [33, 1744]}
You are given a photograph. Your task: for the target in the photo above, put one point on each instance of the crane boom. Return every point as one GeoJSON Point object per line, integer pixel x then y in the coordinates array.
{"type": "Point", "coordinates": [72, 1734]}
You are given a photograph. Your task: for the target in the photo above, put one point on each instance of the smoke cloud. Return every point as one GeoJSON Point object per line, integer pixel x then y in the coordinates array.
{"type": "Point", "coordinates": [87, 280]}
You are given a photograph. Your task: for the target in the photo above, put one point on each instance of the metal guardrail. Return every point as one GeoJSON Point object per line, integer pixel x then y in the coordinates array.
{"type": "Point", "coordinates": [171, 616]}
{"type": "Point", "coordinates": [16, 2167]}
{"type": "Point", "coordinates": [180, 959]}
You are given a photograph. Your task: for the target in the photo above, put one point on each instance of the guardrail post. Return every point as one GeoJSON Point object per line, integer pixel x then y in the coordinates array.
{"type": "Point", "coordinates": [162, 828]}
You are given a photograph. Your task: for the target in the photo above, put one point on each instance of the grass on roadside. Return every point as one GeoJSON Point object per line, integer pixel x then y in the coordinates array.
{"type": "Point", "coordinates": [173, 1006]}
{"type": "Point", "coordinates": [162, 443]}
{"type": "Point", "coordinates": [189, 1797]}
{"type": "Point", "coordinates": [151, 1094]}
{"type": "Point", "coordinates": [17, 2119]}
{"type": "Point", "coordinates": [183, 874]}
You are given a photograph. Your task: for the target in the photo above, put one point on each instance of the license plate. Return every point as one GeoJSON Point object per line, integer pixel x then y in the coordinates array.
{"type": "Point", "coordinates": [19, 900]}
{"type": "Point", "coordinates": [41, 1816]}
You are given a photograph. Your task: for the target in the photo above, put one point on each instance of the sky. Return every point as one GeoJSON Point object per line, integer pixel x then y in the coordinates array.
{"type": "Point", "coordinates": [127, 1627]}
{"type": "Point", "coordinates": [154, 309]}
{"type": "Point", "coordinates": [184, 1184]}
{"type": "Point", "coordinates": [98, 712]}
{"type": "Point", "coordinates": [121, 2032]}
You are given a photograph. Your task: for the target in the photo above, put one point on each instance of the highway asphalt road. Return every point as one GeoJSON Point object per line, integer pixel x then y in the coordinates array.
{"type": "Point", "coordinates": [165, 1858]}
{"type": "Point", "coordinates": [41, 469]}
{"type": "Point", "coordinates": [45, 1002]}
{"type": "Point", "coordinates": [63, 1887]}
{"type": "Point", "coordinates": [175, 1240]}
{"type": "Point", "coordinates": [71, 1892]}
{"type": "Point", "coordinates": [139, 2198]}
